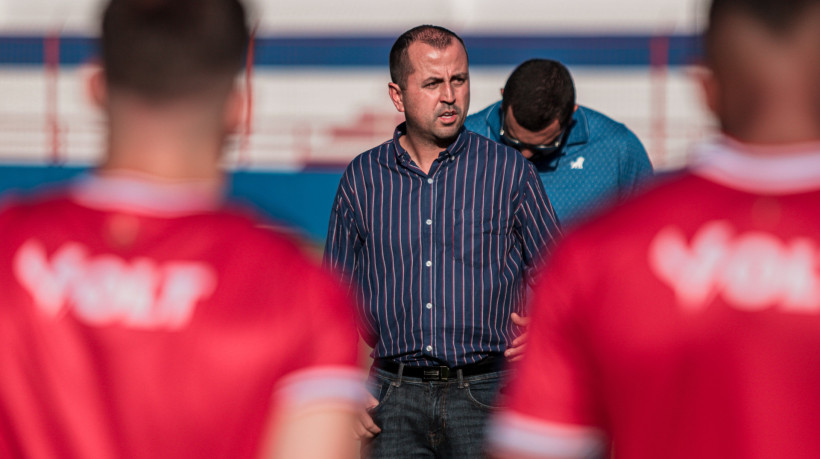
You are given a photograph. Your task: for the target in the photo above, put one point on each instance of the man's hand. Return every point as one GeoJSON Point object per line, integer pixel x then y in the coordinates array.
{"type": "Point", "coordinates": [516, 349]}
{"type": "Point", "coordinates": [365, 427]}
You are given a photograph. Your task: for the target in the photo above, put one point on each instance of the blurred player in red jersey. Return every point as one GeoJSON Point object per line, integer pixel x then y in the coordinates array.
{"type": "Point", "coordinates": [686, 324]}
{"type": "Point", "coordinates": [142, 317]}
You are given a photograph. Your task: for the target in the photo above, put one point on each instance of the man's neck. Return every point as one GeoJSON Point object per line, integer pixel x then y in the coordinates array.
{"type": "Point", "coordinates": [422, 151]}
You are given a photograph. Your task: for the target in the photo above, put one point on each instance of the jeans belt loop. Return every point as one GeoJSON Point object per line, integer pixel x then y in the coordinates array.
{"type": "Point", "coordinates": [397, 383]}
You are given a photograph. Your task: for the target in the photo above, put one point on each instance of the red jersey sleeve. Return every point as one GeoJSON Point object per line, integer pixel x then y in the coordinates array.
{"type": "Point", "coordinates": [552, 409]}
{"type": "Point", "coordinates": [324, 340]}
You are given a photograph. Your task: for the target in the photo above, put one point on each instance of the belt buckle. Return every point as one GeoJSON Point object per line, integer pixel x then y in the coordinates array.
{"type": "Point", "coordinates": [440, 373]}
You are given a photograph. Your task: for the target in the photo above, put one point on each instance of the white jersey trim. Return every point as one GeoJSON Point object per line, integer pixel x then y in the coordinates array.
{"type": "Point", "coordinates": [145, 195]}
{"type": "Point", "coordinates": [515, 434]}
{"type": "Point", "coordinates": [317, 385]}
{"type": "Point", "coordinates": [784, 169]}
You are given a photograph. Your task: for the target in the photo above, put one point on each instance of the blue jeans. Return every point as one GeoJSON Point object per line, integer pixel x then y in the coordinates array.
{"type": "Point", "coordinates": [431, 419]}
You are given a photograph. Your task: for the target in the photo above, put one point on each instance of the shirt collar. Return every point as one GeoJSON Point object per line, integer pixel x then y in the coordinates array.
{"type": "Point", "coordinates": [454, 149]}
{"type": "Point", "coordinates": [783, 169]}
{"type": "Point", "coordinates": [141, 194]}
{"type": "Point", "coordinates": [578, 128]}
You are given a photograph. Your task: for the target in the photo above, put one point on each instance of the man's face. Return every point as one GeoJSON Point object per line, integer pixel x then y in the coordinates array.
{"type": "Point", "coordinates": [436, 95]}
{"type": "Point", "coordinates": [530, 141]}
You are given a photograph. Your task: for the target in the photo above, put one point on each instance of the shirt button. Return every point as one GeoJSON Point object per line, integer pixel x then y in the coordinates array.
{"type": "Point", "coordinates": [429, 263]}
{"type": "Point", "coordinates": [429, 180]}
{"type": "Point", "coordinates": [429, 305]}
{"type": "Point", "coordinates": [429, 222]}
{"type": "Point", "coordinates": [429, 348]}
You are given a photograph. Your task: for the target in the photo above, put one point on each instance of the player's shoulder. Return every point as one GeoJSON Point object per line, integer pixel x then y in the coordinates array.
{"type": "Point", "coordinates": [267, 247]}
{"type": "Point", "coordinates": [45, 203]}
{"type": "Point", "coordinates": [664, 198]}
{"type": "Point", "coordinates": [249, 226]}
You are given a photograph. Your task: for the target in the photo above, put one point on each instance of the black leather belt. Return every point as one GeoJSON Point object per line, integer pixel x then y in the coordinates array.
{"type": "Point", "coordinates": [442, 373]}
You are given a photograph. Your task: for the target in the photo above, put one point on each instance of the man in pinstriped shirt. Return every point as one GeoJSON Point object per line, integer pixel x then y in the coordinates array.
{"type": "Point", "coordinates": [439, 230]}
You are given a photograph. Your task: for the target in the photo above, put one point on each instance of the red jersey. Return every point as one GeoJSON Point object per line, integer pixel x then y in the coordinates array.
{"type": "Point", "coordinates": [684, 324]}
{"type": "Point", "coordinates": [147, 321]}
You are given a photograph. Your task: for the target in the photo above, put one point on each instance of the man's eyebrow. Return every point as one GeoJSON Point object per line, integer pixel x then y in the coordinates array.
{"type": "Point", "coordinates": [433, 80]}
{"type": "Point", "coordinates": [463, 75]}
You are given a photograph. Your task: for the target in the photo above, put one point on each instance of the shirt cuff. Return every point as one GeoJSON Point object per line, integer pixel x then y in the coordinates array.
{"type": "Point", "coordinates": [513, 434]}
{"type": "Point", "coordinates": [321, 385]}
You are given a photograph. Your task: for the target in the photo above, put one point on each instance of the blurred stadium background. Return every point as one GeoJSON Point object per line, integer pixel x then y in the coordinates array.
{"type": "Point", "coordinates": [318, 84]}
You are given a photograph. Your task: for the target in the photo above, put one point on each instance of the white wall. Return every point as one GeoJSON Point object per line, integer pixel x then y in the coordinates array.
{"type": "Point", "coordinates": [379, 16]}
{"type": "Point", "coordinates": [297, 110]}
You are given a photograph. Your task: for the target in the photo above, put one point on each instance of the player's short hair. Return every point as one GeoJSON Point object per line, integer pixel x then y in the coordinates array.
{"type": "Point", "coordinates": [167, 49]}
{"type": "Point", "coordinates": [435, 36]}
{"type": "Point", "coordinates": [540, 91]}
{"type": "Point", "coordinates": [778, 16]}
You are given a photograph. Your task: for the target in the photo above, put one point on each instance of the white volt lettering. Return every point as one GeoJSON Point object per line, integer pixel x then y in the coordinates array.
{"type": "Point", "coordinates": [106, 289]}
{"type": "Point", "coordinates": [750, 271]}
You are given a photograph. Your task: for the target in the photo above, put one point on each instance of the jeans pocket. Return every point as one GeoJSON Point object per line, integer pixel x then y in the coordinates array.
{"type": "Point", "coordinates": [380, 388]}
{"type": "Point", "coordinates": [484, 393]}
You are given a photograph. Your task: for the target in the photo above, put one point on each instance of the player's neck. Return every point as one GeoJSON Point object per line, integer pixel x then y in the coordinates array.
{"type": "Point", "coordinates": [164, 147]}
{"type": "Point", "coordinates": [768, 130]}
{"type": "Point", "coordinates": [782, 116]}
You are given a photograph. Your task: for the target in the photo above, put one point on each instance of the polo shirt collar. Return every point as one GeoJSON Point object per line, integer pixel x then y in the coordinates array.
{"type": "Point", "coordinates": [579, 128]}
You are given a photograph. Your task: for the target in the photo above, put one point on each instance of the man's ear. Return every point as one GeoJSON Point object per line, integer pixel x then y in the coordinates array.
{"type": "Point", "coordinates": [96, 87]}
{"type": "Point", "coordinates": [396, 96]}
{"type": "Point", "coordinates": [234, 113]}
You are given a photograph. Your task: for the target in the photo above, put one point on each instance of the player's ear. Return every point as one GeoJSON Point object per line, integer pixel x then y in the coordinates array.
{"type": "Point", "coordinates": [709, 87]}
{"type": "Point", "coordinates": [234, 114]}
{"type": "Point", "coordinates": [396, 96]}
{"type": "Point", "coordinates": [96, 87]}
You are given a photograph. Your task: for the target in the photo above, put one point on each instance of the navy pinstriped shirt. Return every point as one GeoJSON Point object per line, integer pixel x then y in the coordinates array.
{"type": "Point", "coordinates": [438, 261]}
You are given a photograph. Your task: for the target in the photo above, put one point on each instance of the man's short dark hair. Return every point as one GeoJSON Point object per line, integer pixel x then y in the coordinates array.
{"type": "Point", "coordinates": [435, 36]}
{"type": "Point", "coordinates": [165, 49]}
{"type": "Point", "coordinates": [540, 91]}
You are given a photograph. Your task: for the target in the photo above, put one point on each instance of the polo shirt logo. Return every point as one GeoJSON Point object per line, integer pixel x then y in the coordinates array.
{"type": "Point", "coordinates": [578, 163]}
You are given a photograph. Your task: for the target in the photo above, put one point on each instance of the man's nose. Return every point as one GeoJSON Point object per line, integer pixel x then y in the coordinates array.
{"type": "Point", "coordinates": [448, 95]}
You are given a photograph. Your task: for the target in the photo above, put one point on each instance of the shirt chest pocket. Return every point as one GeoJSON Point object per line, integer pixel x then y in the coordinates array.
{"type": "Point", "coordinates": [479, 241]}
